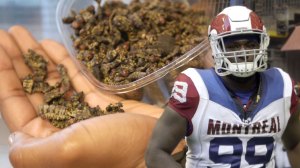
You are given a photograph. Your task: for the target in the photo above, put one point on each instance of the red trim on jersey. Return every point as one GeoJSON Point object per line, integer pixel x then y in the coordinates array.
{"type": "Point", "coordinates": [294, 100]}
{"type": "Point", "coordinates": [188, 108]}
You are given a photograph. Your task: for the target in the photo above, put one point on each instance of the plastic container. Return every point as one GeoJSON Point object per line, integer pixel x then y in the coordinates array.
{"type": "Point", "coordinates": [156, 80]}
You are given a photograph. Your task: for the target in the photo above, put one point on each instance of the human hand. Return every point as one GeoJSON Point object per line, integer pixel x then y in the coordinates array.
{"type": "Point", "coordinates": [117, 140]}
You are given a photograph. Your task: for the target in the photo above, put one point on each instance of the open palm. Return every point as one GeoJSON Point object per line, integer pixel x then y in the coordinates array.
{"type": "Point", "coordinates": [117, 140]}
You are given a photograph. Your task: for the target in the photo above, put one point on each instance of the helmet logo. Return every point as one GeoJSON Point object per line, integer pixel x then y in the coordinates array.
{"type": "Point", "coordinates": [241, 28]}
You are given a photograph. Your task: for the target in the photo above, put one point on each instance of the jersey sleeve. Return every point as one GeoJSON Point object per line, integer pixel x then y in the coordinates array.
{"type": "Point", "coordinates": [184, 99]}
{"type": "Point", "coordinates": [294, 100]}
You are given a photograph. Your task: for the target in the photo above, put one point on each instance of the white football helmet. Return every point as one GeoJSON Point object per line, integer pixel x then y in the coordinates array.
{"type": "Point", "coordinates": [238, 22]}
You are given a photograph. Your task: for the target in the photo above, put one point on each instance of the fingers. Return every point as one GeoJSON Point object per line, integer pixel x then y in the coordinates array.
{"type": "Point", "coordinates": [26, 41]}
{"type": "Point", "coordinates": [59, 55]}
{"type": "Point", "coordinates": [12, 50]}
{"type": "Point", "coordinates": [14, 104]}
{"type": "Point", "coordinates": [10, 42]}
{"type": "Point", "coordinates": [15, 54]}
{"type": "Point", "coordinates": [17, 108]}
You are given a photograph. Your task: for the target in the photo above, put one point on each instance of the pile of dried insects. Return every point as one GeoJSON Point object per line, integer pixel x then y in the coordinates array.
{"type": "Point", "coordinates": [120, 43]}
{"type": "Point", "coordinates": [63, 106]}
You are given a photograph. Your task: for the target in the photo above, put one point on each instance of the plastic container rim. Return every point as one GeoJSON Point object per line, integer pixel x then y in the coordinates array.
{"type": "Point", "coordinates": [154, 76]}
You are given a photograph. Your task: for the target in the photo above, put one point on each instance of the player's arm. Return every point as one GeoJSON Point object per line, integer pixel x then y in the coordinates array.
{"type": "Point", "coordinates": [291, 135]}
{"type": "Point", "coordinates": [291, 139]}
{"type": "Point", "coordinates": [169, 130]}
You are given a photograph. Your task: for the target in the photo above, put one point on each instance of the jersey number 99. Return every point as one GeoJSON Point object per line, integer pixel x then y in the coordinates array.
{"type": "Point", "coordinates": [234, 158]}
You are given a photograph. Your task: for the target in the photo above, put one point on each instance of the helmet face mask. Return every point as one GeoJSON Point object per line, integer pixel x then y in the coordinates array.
{"type": "Point", "coordinates": [239, 45]}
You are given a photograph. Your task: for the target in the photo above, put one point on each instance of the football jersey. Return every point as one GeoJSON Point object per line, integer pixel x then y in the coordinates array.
{"type": "Point", "coordinates": [219, 134]}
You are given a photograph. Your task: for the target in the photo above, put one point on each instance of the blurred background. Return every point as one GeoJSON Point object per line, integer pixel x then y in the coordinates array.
{"type": "Point", "coordinates": [280, 16]}
{"type": "Point", "coordinates": [38, 16]}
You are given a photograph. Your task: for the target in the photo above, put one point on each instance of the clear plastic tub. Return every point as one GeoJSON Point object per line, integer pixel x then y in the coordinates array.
{"type": "Point", "coordinates": [155, 81]}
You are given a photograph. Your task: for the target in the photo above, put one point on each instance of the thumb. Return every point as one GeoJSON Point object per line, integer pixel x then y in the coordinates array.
{"type": "Point", "coordinates": [16, 137]}
{"type": "Point", "coordinates": [32, 152]}
{"type": "Point", "coordinates": [18, 153]}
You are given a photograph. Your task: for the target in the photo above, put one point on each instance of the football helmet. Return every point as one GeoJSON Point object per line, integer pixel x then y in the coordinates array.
{"type": "Point", "coordinates": [227, 29]}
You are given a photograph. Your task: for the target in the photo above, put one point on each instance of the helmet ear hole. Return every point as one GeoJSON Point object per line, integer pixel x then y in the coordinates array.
{"type": "Point", "coordinates": [225, 65]}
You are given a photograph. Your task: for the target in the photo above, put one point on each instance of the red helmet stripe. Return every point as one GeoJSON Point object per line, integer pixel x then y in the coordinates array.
{"type": "Point", "coordinates": [256, 21]}
{"type": "Point", "coordinates": [221, 24]}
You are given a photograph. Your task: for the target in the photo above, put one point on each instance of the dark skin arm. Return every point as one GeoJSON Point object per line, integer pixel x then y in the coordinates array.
{"type": "Point", "coordinates": [168, 132]}
{"type": "Point", "coordinates": [291, 138]}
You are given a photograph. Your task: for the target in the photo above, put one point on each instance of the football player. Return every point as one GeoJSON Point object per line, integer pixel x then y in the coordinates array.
{"type": "Point", "coordinates": [232, 115]}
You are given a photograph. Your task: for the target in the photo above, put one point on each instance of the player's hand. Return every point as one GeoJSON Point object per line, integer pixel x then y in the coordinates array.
{"type": "Point", "coordinates": [117, 140]}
